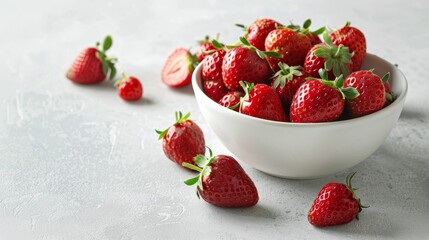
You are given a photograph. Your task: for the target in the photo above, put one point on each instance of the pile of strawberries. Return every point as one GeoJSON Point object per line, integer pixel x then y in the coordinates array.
{"type": "Point", "coordinates": [286, 73]}
{"type": "Point", "coordinates": [221, 180]}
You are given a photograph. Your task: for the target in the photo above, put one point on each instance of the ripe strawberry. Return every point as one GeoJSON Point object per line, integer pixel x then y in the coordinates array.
{"type": "Point", "coordinates": [129, 88]}
{"type": "Point", "coordinates": [335, 204]}
{"type": "Point", "coordinates": [177, 70]}
{"type": "Point", "coordinates": [222, 182]}
{"type": "Point", "coordinates": [245, 62]}
{"type": "Point", "coordinates": [93, 65]}
{"type": "Point", "coordinates": [287, 81]}
{"type": "Point", "coordinates": [320, 100]}
{"type": "Point", "coordinates": [212, 67]}
{"type": "Point", "coordinates": [372, 93]}
{"type": "Point", "coordinates": [231, 100]}
{"type": "Point", "coordinates": [213, 84]}
{"type": "Point", "coordinates": [214, 90]}
{"type": "Point", "coordinates": [261, 101]}
{"type": "Point", "coordinates": [292, 45]}
{"type": "Point", "coordinates": [354, 39]}
{"type": "Point", "coordinates": [258, 31]}
{"type": "Point", "coordinates": [312, 35]}
{"type": "Point", "coordinates": [182, 141]}
{"type": "Point", "coordinates": [335, 59]}
{"type": "Point", "coordinates": [204, 46]}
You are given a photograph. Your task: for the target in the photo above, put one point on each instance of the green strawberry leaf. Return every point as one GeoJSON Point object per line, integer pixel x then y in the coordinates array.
{"type": "Point", "coordinates": [216, 44]}
{"type": "Point", "coordinates": [307, 24]}
{"type": "Point", "coordinates": [107, 43]}
{"type": "Point", "coordinates": [386, 77]}
{"type": "Point", "coordinates": [192, 181]}
{"type": "Point", "coordinates": [389, 97]}
{"type": "Point", "coordinates": [350, 92]}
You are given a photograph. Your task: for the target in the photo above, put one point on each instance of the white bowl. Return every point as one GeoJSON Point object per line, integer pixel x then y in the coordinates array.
{"type": "Point", "coordinates": [306, 150]}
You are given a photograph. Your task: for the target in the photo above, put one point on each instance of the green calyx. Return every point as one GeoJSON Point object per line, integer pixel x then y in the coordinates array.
{"type": "Point", "coordinates": [107, 63]}
{"type": "Point", "coordinates": [286, 73]}
{"type": "Point", "coordinates": [242, 26]}
{"type": "Point", "coordinates": [262, 54]}
{"type": "Point", "coordinates": [179, 119]}
{"type": "Point", "coordinates": [124, 79]}
{"type": "Point", "coordinates": [386, 77]}
{"type": "Point", "coordinates": [202, 166]}
{"type": "Point", "coordinates": [352, 190]}
{"type": "Point", "coordinates": [247, 88]}
{"type": "Point", "coordinates": [346, 93]}
{"type": "Point", "coordinates": [336, 57]}
{"type": "Point", "coordinates": [305, 29]}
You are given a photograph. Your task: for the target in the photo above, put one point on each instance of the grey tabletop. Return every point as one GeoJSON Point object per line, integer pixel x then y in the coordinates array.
{"type": "Point", "coordinates": [77, 162]}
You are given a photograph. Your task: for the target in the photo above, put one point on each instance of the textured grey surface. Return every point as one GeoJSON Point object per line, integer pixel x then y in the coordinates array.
{"type": "Point", "coordinates": [76, 162]}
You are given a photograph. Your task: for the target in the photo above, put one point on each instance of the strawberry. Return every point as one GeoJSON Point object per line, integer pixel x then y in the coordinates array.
{"type": "Point", "coordinates": [211, 72]}
{"type": "Point", "coordinates": [292, 45]}
{"type": "Point", "coordinates": [258, 31]}
{"type": "Point", "coordinates": [204, 47]}
{"type": "Point", "coordinates": [129, 88]}
{"type": "Point", "coordinates": [287, 81]}
{"type": "Point", "coordinates": [222, 182]}
{"type": "Point", "coordinates": [354, 39]}
{"type": "Point", "coordinates": [262, 101]}
{"type": "Point", "coordinates": [212, 67]}
{"type": "Point", "coordinates": [320, 100]}
{"type": "Point", "coordinates": [372, 93]}
{"type": "Point", "coordinates": [93, 65]}
{"type": "Point", "coordinates": [335, 204]}
{"type": "Point", "coordinates": [335, 59]}
{"type": "Point", "coordinates": [182, 141]}
{"type": "Point", "coordinates": [177, 70]}
{"type": "Point", "coordinates": [312, 35]}
{"type": "Point", "coordinates": [245, 62]}
{"type": "Point", "coordinates": [231, 100]}
{"type": "Point", "coordinates": [214, 90]}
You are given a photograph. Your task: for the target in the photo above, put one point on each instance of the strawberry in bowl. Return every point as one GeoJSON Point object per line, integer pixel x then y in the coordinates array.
{"type": "Point", "coordinates": [304, 150]}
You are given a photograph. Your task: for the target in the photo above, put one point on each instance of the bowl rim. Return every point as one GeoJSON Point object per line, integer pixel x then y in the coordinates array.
{"type": "Point", "coordinates": [196, 77]}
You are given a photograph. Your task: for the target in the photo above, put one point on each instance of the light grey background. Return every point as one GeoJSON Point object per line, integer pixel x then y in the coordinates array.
{"type": "Point", "coordinates": [76, 162]}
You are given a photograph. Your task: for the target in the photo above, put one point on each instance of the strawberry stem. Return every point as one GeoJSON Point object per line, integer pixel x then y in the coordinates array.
{"type": "Point", "coordinates": [193, 167]}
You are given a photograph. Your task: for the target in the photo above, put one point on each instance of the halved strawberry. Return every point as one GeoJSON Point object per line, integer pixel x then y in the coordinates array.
{"type": "Point", "coordinates": [177, 70]}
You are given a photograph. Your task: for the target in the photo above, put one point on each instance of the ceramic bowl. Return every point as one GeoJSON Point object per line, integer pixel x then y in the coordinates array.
{"type": "Point", "coordinates": [304, 150]}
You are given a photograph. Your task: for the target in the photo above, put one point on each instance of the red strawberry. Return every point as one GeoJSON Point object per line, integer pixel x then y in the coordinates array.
{"type": "Point", "coordinates": [204, 46]}
{"type": "Point", "coordinates": [354, 39]}
{"type": "Point", "coordinates": [92, 65]}
{"type": "Point", "coordinates": [320, 100]}
{"type": "Point", "coordinates": [372, 93]}
{"type": "Point", "coordinates": [335, 59]}
{"type": "Point", "coordinates": [262, 101]}
{"type": "Point", "coordinates": [312, 35]}
{"type": "Point", "coordinates": [212, 66]}
{"type": "Point", "coordinates": [292, 45]}
{"type": "Point", "coordinates": [258, 31]}
{"type": "Point", "coordinates": [214, 86]}
{"type": "Point", "coordinates": [214, 90]}
{"type": "Point", "coordinates": [182, 141]}
{"type": "Point", "coordinates": [223, 182]}
{"type": "Point", "coordinates": [247, 63]}
{"type": "Point", "coordinates": [231, 100]}
{"type": "Point", "coordinates": [129, 88]}
{"type": "Point", "coordinates": [287, 81]}
{"type": "Point", "coordinates": [335, 204]}
{"type": "Point", "coordinates": [177, 70]}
